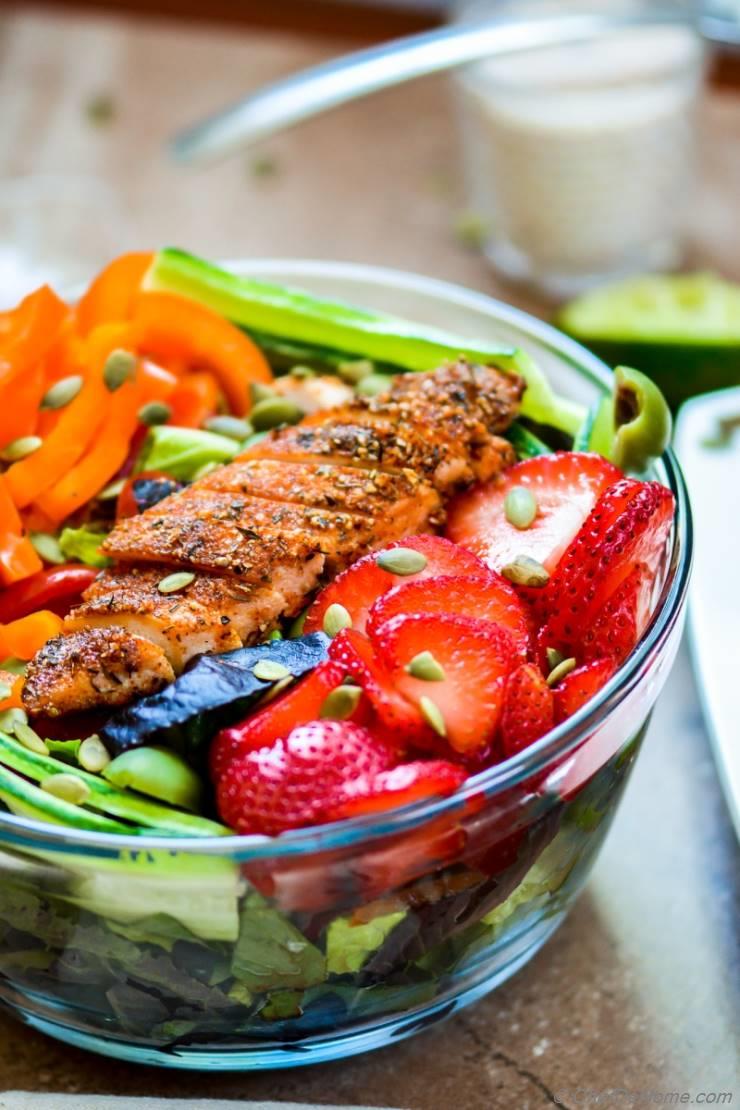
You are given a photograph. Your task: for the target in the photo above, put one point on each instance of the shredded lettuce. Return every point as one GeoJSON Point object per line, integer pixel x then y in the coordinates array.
{"type": "Point", "coordinates": [82, 545]}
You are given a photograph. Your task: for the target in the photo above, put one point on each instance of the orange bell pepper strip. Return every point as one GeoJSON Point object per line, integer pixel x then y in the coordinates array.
{"type": "Point", "coordinates": [110, 297]}
{"type": "Point", "coordinates": [169, 326]}
{"type": "Point", "coordinates": [19, 404]}
{"type": "Point", "coordinates": [14, 682]}
{"type": "Point", "coordinates": [23, 638]}
{"type": "Point", "coordinates": [18, 557]}
{"type": "Point", "coordinates": [109, 450]}
{"type": "Point", "coordinates": [28, 331]}
{"type": "Point", "coordinates": [76, 427]}
{"type": "Point", "coordinates": [195, 399]}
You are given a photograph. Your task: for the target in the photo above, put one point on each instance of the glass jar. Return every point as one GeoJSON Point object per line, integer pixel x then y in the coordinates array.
{"type": "Point", "coordinates": [580, 158]}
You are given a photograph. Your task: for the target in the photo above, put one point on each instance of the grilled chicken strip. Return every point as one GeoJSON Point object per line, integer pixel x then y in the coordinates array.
{"type": "Point", "coordinates": [259, 534]}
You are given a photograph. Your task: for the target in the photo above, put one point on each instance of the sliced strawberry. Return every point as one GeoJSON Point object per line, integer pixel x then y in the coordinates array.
{"type": "Point", "coordinates": [298, 705]}
{"type": "Point", "coordinates": [528, 711]}
{"type": "Point", "coordinates": [580, 686]}
{"type": "Point", "coordinates": [622, 620]}
{"type": "Point", "coordinates": [299, 781]}
{"type": "Point", "coordinates": [406, 783]}
{"type": "Point", "coordinates": [566, 487]}
{"type": "Point", "coordinates": [393, 715]}
{"type": "Point", "coordinates": [361, 584]}
{"type": "Point", "coordinates": [627, 527]}
{"type": "Point", "coordinates": [489, 598]}
{"type": "Point", "coordinates": [474, 655]}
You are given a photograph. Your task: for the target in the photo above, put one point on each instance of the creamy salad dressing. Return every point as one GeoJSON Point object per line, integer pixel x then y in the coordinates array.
{"type": "Point", "coordinates": [580, 158]}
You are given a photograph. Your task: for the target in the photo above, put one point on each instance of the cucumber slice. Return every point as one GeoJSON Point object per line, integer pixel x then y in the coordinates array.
{"type": "Point", "coordinates": [683, 331]}
{"type": "Point", "coordinates": [106, 798]}
{"type": "Point", "coordinates": [299, 318]}
{"type": "Point", "coordinates": [26, 800]}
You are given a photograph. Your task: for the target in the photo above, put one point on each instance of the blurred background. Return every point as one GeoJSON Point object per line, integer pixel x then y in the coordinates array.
{"type": "Point", "coordinates": [554, 172]}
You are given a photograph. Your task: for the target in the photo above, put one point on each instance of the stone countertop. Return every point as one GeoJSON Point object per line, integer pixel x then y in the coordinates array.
{"type": "Point", "coordinates": [640, 988]}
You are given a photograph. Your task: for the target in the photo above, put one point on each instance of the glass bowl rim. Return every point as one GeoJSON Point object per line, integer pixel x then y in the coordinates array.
{"type": "Point", "coordinates": [25, 832]}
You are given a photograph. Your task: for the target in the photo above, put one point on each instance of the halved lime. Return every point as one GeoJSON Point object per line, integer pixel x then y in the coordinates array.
{"type": "Point", "coordinates": [682, 330]}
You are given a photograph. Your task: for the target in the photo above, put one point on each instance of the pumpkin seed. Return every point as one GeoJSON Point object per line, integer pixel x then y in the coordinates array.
{"type": "Point", "coordinates": [341, 702]}
{"type": "Point", "coordinates": [336, 618]}
{"type": "Point", "coordinates": [564, 667]}
{"type": "Point", "coordinates": [11, 718]}
{"type": "Point", "coordinates": [93, 755]}
{"type": "Point", "coordinates": [354, 371]}
{"type": "Point", "coordinates": [156, 412]}
{"type": "Point", "coordinates": [432, 714]}
{"type": "Point", "coordinates": [67, 787]}
{"type": "Point", "coordinates": [119, 368]}
{"type": "Point", "coordinates": [273, 412]}
{"type": "Point", "coordinates": [174, 582]}
{"type": "Point", "coordinates": [205, 469]}
{"type": "Point", "coordinates": [426, 667]}
{"type": "Point", "coordinates": [47, 546]}
{"type": "Point", "coordinates": [268, 670]}
{"type": "Point", "coordinates": [296, 628]}
{"type": "Point", "coordinates": [372, 384]}
{"type": "Point", "coordinates": [553, 657]}
{"type": "Point", "coordinates": [62, 392]}
{"type": "Point", "coordinates": [112, 490]}
{"type": "Point", "coordinates": [13, 665]}
{"type": "Point", "coordinates": [260, 392]}
{"type": "Point", "coordinates": [272, 693]}
{"type": "Point", "coordinates": [20, 448]}
{"type": "Point", "coordinates": [300, 373]}
{"type": "Point", "coordinates": [252, 441]}
{"type": "Point", "coordinates": [230, 426]}
{"type": "Point", "coordinates": [525, 571]}
{"type": "Point", "coordinates": [30, 739]}
{"type": "Point", "coordinates": [520, 507]}
{"type": "Point", "coordinates": [401, 560]}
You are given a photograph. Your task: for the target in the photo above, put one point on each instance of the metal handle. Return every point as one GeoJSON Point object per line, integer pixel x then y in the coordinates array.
{"type": "Point", "coordinates": [325, 86]}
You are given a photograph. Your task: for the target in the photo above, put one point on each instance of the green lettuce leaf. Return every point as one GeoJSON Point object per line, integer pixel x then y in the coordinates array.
{"type": "Point", "coordinates": [82, 545]}
{"type": "Point", "coordinates": [181, 452]}
{"type": "Point", "coordinates": [271, 953]}
{"type": "Point", "coordinates": [348, 945]}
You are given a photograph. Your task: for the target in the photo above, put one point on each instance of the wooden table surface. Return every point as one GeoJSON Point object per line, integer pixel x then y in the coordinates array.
{"type": "Point", "coordinates": [640, 989]}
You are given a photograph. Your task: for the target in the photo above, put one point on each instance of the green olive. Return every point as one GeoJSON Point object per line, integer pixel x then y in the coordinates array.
{"type": "Point", "coordinates": [158, 773]}
{"type": "Point", "coordinates": [642, 420]}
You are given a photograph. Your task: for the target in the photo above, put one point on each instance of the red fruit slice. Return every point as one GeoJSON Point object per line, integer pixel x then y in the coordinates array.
{"type": "Point", "coordinates": [300, 780]}
{"type": "Point", "coordinates": [475, 656]}
{"type": "Point", "coordinates": [358, 587]}
{"type": "Point", "coordinates": [298, 705]}
{"type": "Point", "coordinates": [622, 620]}
{"type": "Point", "coordinates": [628, 526]}
{"type": "Point", "coordinates": [566, 487]}
{"type": "Point", "coordinates": [406, 783]}
{"type": "Point", "coordinates": [489, 598]}
{"type": "Point", "coordinates": [580, 685]}
{"type": "Point", "coordinates": [529, 710]}
{"type": "Point", "coordinates": [398, 719]}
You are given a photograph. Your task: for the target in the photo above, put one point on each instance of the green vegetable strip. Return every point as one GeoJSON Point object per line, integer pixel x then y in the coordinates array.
{"type": "Point", "coordinates": [109, 799]}
{"type": "Point", "coordinates": [526, 444]}
{"type": "Point", "coordinates": [296, 316]}
{"type": "Point", "coordinates": [26, 800]}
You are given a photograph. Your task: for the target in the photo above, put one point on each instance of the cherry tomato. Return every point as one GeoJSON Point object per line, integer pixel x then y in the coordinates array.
{"type": "Point", "coordinates": [57, 588]}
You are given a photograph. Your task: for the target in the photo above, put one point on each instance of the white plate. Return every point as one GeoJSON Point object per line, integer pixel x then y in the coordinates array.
{"type": "Point", "coordinates": [713, 477]}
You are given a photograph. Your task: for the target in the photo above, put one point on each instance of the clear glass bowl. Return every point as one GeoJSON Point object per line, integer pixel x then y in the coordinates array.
{"type": "Point", "coordinates": [248, 952]}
